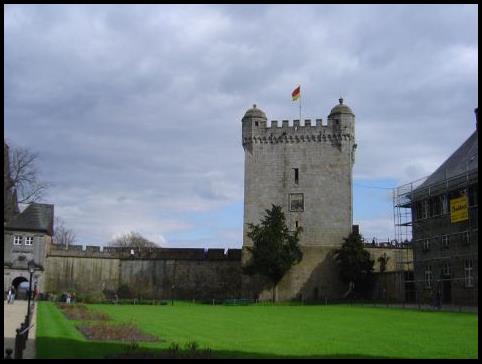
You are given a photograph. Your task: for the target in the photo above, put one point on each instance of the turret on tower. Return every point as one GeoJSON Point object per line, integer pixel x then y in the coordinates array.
{"type": "Point", "coordinates": [253, 120]}
{"type": "Point", "coordinates": [342, 119]}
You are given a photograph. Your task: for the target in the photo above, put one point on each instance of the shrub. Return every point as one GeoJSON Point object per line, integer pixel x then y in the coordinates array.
{"type": "Point", "coordinates": [191, 351]}
{"type": "Point", "coordinates": [192, 346]}
{"type": "Point", "coordinates": [124, 291]}
{"type": "Point", "coordinates": [109, 294]}
{"type": "Point", "coordinates": [91, 297]}
{"type": "Point", "coordinates": [174, 349]}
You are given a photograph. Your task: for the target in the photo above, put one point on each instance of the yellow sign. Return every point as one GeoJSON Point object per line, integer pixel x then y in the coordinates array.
{"type": "Point", "coordinates": [459, 210]}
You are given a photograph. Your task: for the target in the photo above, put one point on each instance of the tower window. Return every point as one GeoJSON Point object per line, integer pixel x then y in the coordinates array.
{"type": "Point", "coordinates": [256, 123]}
{"type": "Point", "coordinates": [296, 202]}
{"type": "Point", "coordinates": [296, 176]}
{"type": "Point", "coordinates": [296, 223]}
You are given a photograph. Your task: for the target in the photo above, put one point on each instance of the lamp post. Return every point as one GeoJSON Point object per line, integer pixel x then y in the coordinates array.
{"type": "Point", "coordinates": [31, 270]}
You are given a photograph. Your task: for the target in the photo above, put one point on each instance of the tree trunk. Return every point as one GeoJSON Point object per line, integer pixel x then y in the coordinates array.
{"type": "Point", "coordinates": [274, 292]}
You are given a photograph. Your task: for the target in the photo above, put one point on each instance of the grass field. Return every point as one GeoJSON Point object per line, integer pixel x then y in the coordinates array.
{"type": "Point", "coordinates": [273, 331]}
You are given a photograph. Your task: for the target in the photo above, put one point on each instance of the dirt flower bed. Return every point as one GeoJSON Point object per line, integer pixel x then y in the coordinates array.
{"type": "Point", "coordinates": [81, 312]}
{"type": "Point", "coordinates": [107, 331]}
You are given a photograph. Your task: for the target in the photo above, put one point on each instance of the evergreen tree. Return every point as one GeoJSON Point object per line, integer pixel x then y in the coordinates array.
{"type": "Point", "coordinates": [275, 249]}
{"type": "Point", "coordinates": [356, 267]}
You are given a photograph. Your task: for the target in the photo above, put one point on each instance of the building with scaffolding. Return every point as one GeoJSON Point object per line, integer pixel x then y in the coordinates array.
{"type": "Point", "coordinates": [438, 216]}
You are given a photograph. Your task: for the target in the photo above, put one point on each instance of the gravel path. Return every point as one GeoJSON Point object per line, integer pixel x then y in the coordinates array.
{"type": "Point", "coordinates": [13, 315]}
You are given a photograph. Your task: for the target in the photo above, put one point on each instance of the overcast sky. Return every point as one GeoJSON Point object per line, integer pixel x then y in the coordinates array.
{"type": "Point", "coordinates": [135, 110]}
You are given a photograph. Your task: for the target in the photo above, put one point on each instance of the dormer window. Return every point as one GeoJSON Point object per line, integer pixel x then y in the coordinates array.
{"type": "Point", "coordinates": [17, 240]}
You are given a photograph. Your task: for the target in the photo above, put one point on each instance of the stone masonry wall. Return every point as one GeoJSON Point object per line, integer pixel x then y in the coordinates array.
{"type": "Point", "coordinates": [151, 273]}
{"type": "Point", "coordinates": [194, 273]}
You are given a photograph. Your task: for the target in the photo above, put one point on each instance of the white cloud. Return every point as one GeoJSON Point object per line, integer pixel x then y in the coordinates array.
{"type": "Point", "coordinates": [379, 228]}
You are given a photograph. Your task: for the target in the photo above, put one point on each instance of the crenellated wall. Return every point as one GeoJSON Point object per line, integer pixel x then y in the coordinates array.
{"type": "Point", "coordinates": [297, 133]}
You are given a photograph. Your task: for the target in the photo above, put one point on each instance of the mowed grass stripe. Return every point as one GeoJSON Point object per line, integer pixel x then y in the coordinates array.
{"type": "Point", "coordinates": [302, 330]}
{"type": "Point", "coordinates": [52, 321]}
{"type": "Point", "coordinates": [306, 331]}
{"type": "Point", "coordinates": [57, 337]}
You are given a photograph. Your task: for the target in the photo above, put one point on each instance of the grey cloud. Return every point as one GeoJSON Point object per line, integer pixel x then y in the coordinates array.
{"type": "Point", "coordinates": [129, 103]}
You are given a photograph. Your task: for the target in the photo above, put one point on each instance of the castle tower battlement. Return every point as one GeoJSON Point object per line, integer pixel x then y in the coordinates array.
{"type": "Point", "coordinates": [338, 132]}
{"type": "Point", "coordinates": [297, 133]}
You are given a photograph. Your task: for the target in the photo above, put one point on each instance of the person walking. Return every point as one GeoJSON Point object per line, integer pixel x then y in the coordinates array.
{"type": "Point", "coordinates": [12, 299]}
{"type": "Point", "coordinates": [36, 293]}
{"type": "Point", "coordinates": [9, 295]}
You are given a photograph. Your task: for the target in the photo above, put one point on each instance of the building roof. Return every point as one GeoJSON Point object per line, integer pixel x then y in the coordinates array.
{"type": "Point", "coordinates": [341, 108]}
{"type": "Point", "coordinates": [36, 217]}
{"type": "Point", "coordinates": [254, 112]}
{"type": "Point", "coordinates": [463, 160]}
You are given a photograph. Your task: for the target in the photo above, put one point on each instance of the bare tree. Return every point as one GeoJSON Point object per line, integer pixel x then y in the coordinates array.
{"type": "Point", "coordinates": [62, 235]}
{"type": "Point", "coordinates": [132, 240]}
{"type": "Point", "coordinates": [23, 177]}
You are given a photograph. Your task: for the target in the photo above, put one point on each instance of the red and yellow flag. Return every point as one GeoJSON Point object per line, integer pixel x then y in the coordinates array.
{"type": "Point", "coordinates": [296, 93]}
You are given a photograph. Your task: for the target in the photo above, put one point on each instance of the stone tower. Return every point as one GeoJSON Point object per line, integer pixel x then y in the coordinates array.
{"type": "Point", "coordinates": [308, 171]}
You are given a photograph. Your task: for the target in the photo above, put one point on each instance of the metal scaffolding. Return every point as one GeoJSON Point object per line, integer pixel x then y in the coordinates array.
{"type": "Point", "coordinates": [431, 203]}
{"type": "Point", "coordinates": [402, 209]}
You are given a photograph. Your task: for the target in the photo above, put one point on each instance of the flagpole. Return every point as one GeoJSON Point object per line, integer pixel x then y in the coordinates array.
{"type": "Point", "coordinates": [300, 105]}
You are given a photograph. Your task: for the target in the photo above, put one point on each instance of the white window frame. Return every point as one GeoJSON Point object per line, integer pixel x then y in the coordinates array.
{"type": "Point", "coordinates": [468, 275]}
{"type": "Point", "coordinates": [428, 276]}
{"type": "Point", "coordinates": [436, 205]}
{"type": "Point", "coordinates": [426, 245]}
{"type": "Point", "coordinates": [425, 209]}
{"type": "Point", "coordinates": [29, 240]}
{"type": "Point", "coordinates": [446, 270]}
{"type": "Point", "coordinates": [445, 209]}
{"type": "Point", "coordinates": [445, 241]}
{"type": "Point", "coordinates": [17, 239]}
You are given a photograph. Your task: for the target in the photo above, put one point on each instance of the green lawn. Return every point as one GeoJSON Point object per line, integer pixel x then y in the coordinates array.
{"type": "Point", "coordinates": [273, 331]}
